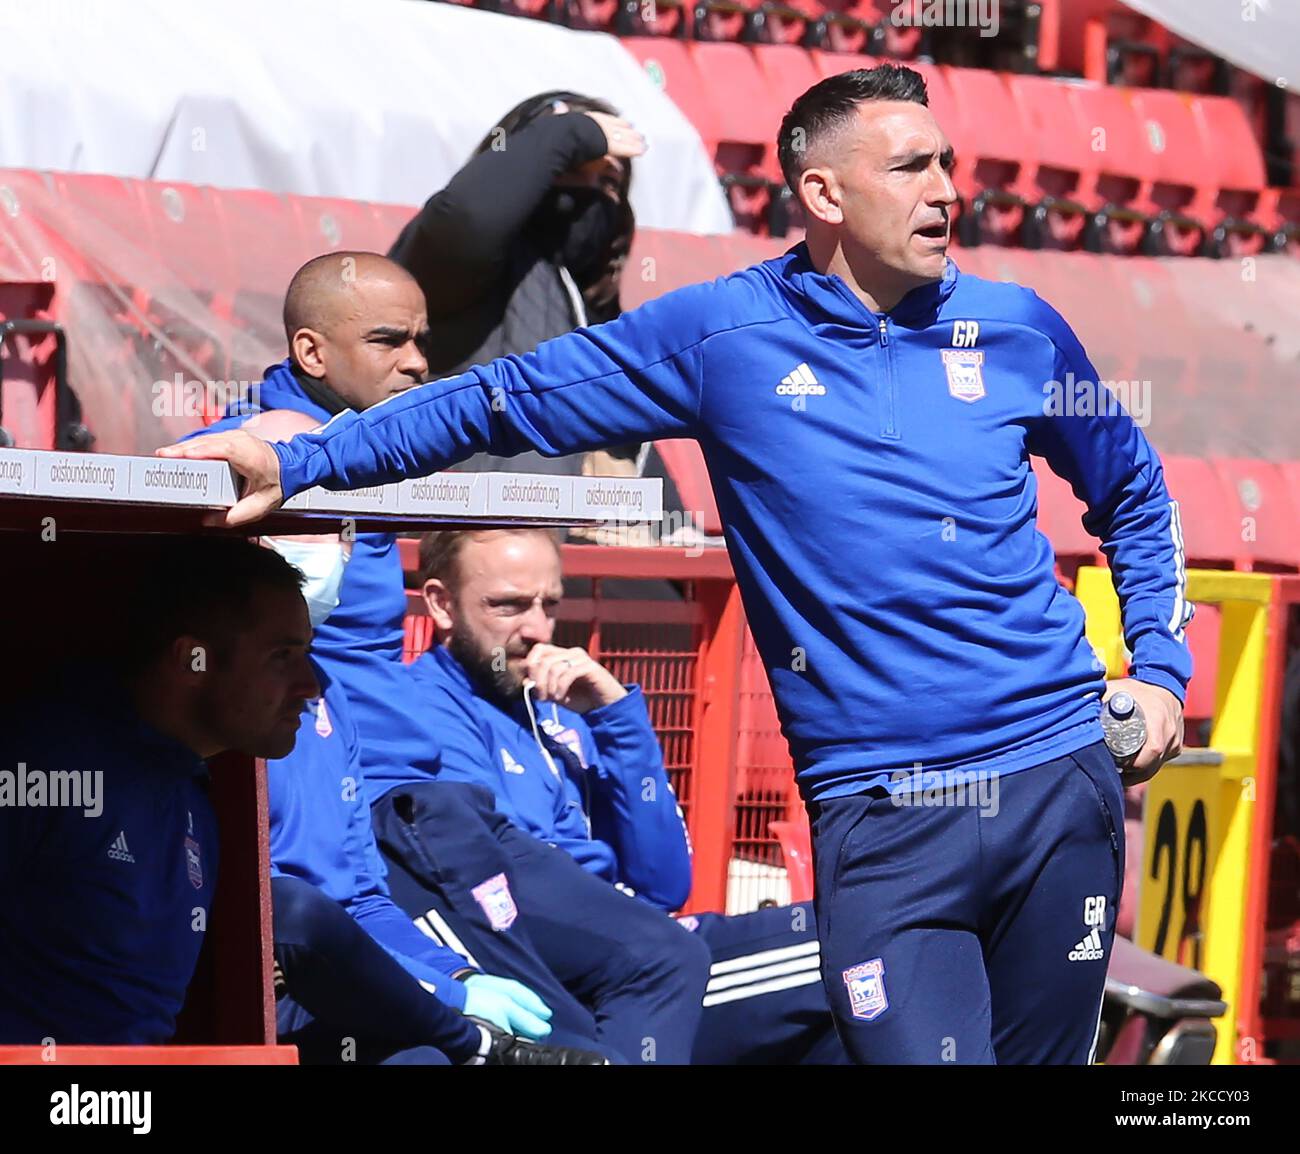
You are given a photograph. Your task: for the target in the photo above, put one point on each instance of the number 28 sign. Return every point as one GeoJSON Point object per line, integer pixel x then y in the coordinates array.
{"type": "Point", "coordinates": [1180, 845]}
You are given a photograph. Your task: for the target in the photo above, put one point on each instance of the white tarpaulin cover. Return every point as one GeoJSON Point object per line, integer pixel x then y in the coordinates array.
{"type": "Point", "coordinates": [378, 100]}
{"type": "Point", "coordinates": [1261, 36]}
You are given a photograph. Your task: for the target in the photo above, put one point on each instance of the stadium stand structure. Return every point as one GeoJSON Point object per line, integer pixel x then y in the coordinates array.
{"type": "Point", "coordinates": [1080, 125]}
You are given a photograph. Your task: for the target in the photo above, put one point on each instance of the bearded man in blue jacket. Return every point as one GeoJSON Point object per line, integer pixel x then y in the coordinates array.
{"type": "Point", "coordinates": [867, 413]}
{"type": "Point", "coordinates": [570, 755]}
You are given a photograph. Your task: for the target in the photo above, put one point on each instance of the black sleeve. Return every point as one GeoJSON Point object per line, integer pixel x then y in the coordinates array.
{"type": "Point", "coordinates": [457, 245]}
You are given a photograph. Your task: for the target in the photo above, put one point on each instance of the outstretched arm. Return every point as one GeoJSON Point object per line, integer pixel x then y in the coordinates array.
{"type": "Point", "coordinates": [638, 378]}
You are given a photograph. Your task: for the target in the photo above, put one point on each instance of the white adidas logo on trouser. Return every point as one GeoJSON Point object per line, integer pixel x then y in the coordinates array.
{"type": "Point", "coordinates": [1089, 949]}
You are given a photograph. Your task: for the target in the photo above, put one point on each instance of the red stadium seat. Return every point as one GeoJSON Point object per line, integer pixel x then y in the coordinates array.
{"type": "Point", "coordinates": [1279, 209]}
{"type": "Point", "coordinates": [1184, 186]}
{"type": "Point", "coordinates": [673, 69]}
{"type": "Point", "coordinates": [835, 63]}
{"type": "Point", "coordinates": [747, 118]}
{"type": "Point", "coordinates": [1238, 173]}
{"type": "Point", "coordinates": [1211, 528]}
{"type": "Point", "coordinates": [745, 112]}
{"type": "Point", "coordinates": [592, 15]}
{"type": "Point", "coordinates": [788, 71]}
{"type": "Point", "coordinates": [1268, 514]}
{"type": "Point", "coordinates": [998, 163]}
{"type": "Point", "coordinates": [1126, 167]}
{"type": "Point", "coordinates": [1066, 176]}
{"type": "Point", "coordinates": [852, 26]}
{"type": "Point", "coordinates": [755, 21]}
{"type": "Point", "coordinates": [661, 18]}
{"type": "Point", "coordinates": [788, 23]}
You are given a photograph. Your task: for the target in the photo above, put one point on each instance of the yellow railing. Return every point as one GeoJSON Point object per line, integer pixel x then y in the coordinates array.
{"type": "Point", "coordinates": [1199, 812]}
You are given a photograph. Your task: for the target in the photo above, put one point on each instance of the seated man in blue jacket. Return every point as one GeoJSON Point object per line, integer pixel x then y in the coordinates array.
{"type": "Point", "coordinates": [104, 903]}
{"type": "Point", "coordinates": [571, 757]}
{"type": "Point", "coordinates": [358, 987]}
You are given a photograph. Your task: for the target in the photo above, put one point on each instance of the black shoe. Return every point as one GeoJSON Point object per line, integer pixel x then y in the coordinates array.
{"type": "Point", "coordinates": [502, 1049]}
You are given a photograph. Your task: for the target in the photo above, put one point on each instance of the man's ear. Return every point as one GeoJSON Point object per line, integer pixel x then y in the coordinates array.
{"type": "Point", "coordinates": [821, 195]}
{"type": "Point", "coordinates": [307, 352]}
{"type": "Point", "coordinates": [439, 600]}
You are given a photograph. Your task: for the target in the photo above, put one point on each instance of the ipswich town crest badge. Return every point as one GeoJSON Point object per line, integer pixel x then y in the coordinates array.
{"type": "Point", "coordinates": [866, 983]}
{"type": "Point", "coordinates": [965, 373]}
{"type": "Point", "coordinates": [497, 902]}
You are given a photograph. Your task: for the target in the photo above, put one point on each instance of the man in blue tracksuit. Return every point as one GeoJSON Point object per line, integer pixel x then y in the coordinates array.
{"type": "Point", "coordinates": [106, 888]}
{"type": "Point", "coordinates": [571, 757]}
{"type": "Point", "coordinates": [358, 974]}
{"type": "Point", "coordinates": [867, 413]}
{"type": "Point", "coordinates": [355, 324]}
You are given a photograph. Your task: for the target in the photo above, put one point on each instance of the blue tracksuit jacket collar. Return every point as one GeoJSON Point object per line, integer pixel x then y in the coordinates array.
{"type": "Point", "coordinates": [515, 710]}
{"type": "Point", "coordinates": [280, 390]}
{"type": "Point", "coordinates": [832, 294]}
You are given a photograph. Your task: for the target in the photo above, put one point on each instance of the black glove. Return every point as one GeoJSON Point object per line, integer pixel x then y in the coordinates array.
{"type": "Point", "coordinates": [502, 1049]}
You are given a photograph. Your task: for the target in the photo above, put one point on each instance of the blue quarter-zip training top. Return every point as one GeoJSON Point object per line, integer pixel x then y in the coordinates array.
{"type": "Point", "coordinates": [321, 833]}
{"type": "Point", "coordinates": [104, 907]}
{"type": "Point", "coordinates": [591, 784]}
{"type": "Point", "coordinates": [872, 471]}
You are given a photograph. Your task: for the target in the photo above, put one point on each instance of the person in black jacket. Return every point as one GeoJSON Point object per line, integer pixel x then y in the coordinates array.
{"type": "Point", "coordinates": [527, 241]}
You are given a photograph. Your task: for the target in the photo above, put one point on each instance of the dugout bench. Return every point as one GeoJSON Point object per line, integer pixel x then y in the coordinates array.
{"type": "Point", "coordinates": [63, 517]}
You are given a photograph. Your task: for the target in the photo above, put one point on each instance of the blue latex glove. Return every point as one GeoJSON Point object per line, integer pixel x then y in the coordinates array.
{"type": "Point", "coordinates": [507, 1004]}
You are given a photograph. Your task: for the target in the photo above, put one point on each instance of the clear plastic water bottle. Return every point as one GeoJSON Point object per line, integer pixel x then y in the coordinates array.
{"type": "Point", "coordinates": [1125, 728]}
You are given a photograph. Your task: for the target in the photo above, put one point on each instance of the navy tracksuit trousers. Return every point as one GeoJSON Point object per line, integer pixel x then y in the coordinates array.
{"type": "Point", "coordinates": [348, 1000]}
{"type": "Point", "coordinates": [969, 931]}
{"type": "Point", "coordinates": [612, 968]}
{"type": "Point", "coordinates": [764, 1004]}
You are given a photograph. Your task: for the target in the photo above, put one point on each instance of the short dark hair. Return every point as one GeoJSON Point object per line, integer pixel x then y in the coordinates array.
{"type": "Point", "coordinates": [440, 550]}
{"type": "Point", "coordinates": [830, 104]}
{"type": "Point", "coordinates": [202, 586]}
